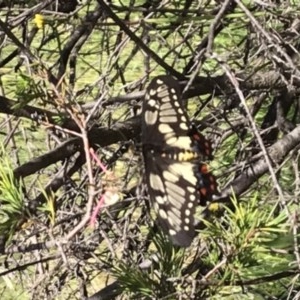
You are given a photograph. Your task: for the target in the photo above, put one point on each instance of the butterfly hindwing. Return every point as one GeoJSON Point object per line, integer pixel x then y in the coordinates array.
{"type": "Point", "coordinates": [172, 190]}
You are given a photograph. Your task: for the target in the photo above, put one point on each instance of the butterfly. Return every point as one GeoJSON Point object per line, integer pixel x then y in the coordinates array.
{"type": "Point", "coordinates": [173, 151]}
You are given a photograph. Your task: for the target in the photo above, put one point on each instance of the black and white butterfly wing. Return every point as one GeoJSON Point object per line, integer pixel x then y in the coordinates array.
{"type": "Point", "coordinates": [169, 158]}
{"type": "Point", "coordinates": [173, 193]}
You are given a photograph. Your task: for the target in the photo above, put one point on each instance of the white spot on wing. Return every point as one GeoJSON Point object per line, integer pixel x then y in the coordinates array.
{"type": "Point", "coordinates": [172, 140]}
{"type": "Point", "coordinates": [162, 91]}
{"type": "Point", "coordinates": [156, 182]}
{"type": "Point", "coordinates": [151, 102]}
{"type": "Point", "coordinates": [160, 200]}
{"type": "Point", "coordinates": [183, 125]}
{"type": "Point", "coordinates": [167, 106]}
{"type": "Point", "coordinates": [170, 176]}
{"type": "Point", "coordinates": [176, 199]}
{"type": "Point", "coordinates": [174, 188]}
{"type": "Point", "coordinates": [168, 119]}
{"type": "Point", "coordinates": [152, 92]}
{"type": "Point", "coordinates": [192, 197]}
{"type": "Point", "coordinates": [162, 214]}
{"type": "Point", "coordinates": [175, 219]}
{"type": "Point", "coordinates": [183, 142]}
{"type": "Point", "coordinates": [165, 99]}
{"type": "Point", "coordinates": [151, 117]}
{"type": "Point", "coordinates": [165, 128]}
{"type": "Point", "coordinates": [191, 189]}
{"type": "Point", "coordinates": [172, 232]}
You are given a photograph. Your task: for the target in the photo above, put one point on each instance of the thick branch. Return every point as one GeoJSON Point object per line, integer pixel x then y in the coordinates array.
{"type": "Point", "coordinates": [277, 152]}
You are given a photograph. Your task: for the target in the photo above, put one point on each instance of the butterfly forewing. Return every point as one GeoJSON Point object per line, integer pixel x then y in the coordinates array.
{"type": "Point", "coordinates": [165, 122]}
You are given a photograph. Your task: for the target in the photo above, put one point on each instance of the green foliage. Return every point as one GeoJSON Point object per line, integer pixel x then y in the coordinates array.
{"type": "Point", "coordinates": [244, 250]}
{"type": "Point", "coordinates": [159, 278]}
{"type": "Point", "coordinates": [250, 239]}
{"type": "Point", "coordinates": [27, 90]}
{"type": "Point", "coordinates": [49, 206]}
{"type": "Point", "coordinates": [11, 198]}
